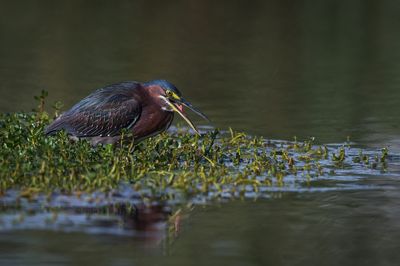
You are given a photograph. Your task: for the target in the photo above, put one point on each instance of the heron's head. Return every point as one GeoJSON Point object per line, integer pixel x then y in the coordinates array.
{"type": "Point", "coordinates": [174, 102]}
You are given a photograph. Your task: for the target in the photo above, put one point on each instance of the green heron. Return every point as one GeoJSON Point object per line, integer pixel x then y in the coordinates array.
{"type": "Point", "coordinates": [145, 109]}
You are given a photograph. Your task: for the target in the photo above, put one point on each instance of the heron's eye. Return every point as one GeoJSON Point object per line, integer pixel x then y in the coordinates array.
{"type": "Point", "coordinates": [169, 93]}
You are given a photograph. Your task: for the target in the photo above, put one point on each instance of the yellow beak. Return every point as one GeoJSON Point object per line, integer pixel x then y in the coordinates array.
{"type": "Point", "coordinates": [183, 116]}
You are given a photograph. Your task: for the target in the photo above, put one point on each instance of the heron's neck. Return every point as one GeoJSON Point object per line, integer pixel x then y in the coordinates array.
{"type": "Point", "coordinates": [153, 97]}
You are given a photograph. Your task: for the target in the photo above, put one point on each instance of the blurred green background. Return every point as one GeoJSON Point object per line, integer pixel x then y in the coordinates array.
{"type": "Point", "coordinates": [328, 69]}
{"type": "Point", "coordinates": [278, 68]}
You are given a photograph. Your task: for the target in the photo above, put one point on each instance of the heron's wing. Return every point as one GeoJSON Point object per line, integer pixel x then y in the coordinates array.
{"type": "Point", "coordinates": [105, 112]}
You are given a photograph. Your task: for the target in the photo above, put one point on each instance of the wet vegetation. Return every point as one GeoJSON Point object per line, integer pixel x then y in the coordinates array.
{"type": "Point", "coordinates": [216, 164]}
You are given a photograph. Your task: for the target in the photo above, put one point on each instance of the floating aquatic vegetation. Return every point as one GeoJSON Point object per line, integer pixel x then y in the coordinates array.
{"type": "Point", "coordinates": [216, 163]}
{"type": "Point", "coordinates": [53, 182]}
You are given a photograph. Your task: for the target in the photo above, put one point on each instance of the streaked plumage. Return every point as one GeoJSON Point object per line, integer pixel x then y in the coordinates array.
{"type": "Point", "coordinates": [144, 108]}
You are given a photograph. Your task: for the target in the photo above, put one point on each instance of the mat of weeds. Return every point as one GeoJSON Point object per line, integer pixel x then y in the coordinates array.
{"type": "Point", "coordinates": [177, 161]}
{"type": "Point", "coordinates": [54, 182]}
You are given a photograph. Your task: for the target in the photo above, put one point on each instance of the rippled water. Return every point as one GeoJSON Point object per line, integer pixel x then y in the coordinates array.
{"type": "Point", "coordinates": [328, 69]}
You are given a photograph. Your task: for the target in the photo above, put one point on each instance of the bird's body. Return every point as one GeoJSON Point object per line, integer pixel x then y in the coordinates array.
{"type": "Point", "coordinates": [145, 109]}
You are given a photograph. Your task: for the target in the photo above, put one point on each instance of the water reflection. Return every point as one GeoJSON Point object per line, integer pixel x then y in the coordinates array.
{"type": "Point", "coordinates": [142, 221]}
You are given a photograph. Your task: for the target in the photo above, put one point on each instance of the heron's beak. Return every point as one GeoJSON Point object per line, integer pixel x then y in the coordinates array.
{"type": "Point", "coordinates": [191, 107]}
{"type": "Point", "coordinates": [174, 105]}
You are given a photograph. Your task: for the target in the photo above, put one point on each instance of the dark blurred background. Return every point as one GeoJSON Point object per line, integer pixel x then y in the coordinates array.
{"type": "Point", "coordinates": [328, 69]}
{"type": "Point", "coordinates": [278, 68]}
